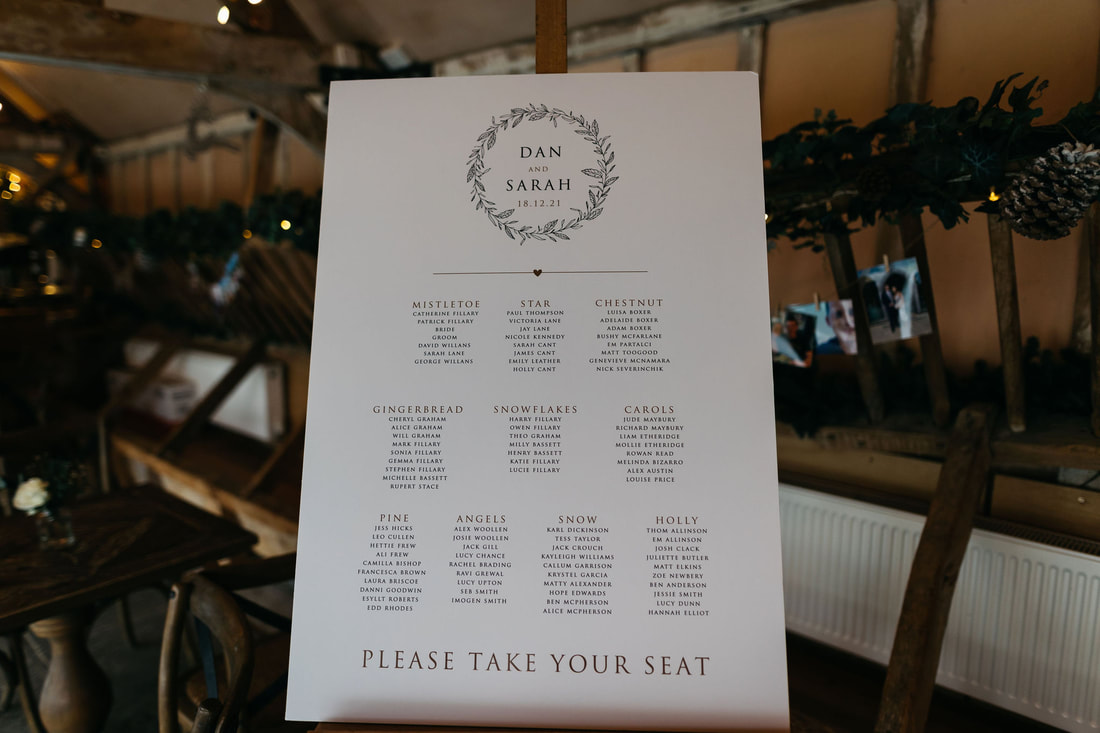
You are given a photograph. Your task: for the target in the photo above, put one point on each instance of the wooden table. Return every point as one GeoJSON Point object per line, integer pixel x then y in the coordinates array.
{"type": "Point", "coordinates": [125, 540]}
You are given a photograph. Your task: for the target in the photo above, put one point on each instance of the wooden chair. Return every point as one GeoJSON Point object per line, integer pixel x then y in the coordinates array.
{"type": "Point", "coordinates": [219, 697]}
{"type": "Point", "coordinates": [214, 609]}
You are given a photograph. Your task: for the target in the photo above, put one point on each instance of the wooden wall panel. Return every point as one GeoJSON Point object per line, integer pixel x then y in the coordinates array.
{"type": "Point", "coordinates": [191, 182]}
{"type": "Point", "coordinates": [229, 180]}
{"type": "Point", "coordinates": [162, 166]}
{"type": "Point", "coordinates": [304, 168]}
{"type": "Point", "coordinates": [133, 186]}
{"type": "Point", "coordinates": [115, 186]}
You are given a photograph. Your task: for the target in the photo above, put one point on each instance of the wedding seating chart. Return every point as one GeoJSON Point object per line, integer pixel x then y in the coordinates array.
{"type": "Point", "coordinates": [540, 476]}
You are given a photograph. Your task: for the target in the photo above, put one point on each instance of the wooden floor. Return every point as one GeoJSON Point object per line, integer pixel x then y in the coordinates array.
{"type": "Point", "coordinates": [830, 692]}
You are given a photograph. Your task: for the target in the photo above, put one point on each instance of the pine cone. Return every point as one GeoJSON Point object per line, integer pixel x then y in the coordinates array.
{"type": "Point", "coordinates": [1054, 192]}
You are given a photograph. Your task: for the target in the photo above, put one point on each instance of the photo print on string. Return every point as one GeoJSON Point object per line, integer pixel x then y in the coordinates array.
{"type": "Point", "coordinates": [793, 337]}
{"type": "Point", "coordinates": [891, 295]}
{"type": "Point", "coordinates": [835, 330]}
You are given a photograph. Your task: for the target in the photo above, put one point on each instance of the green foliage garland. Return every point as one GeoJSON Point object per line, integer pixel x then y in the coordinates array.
{"type": "Point", "coordinates": [190, 234]}
{"type": "Point", "coordinates": [828, 176]}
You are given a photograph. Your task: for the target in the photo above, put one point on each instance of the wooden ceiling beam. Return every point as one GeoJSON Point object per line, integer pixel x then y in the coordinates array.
{"type": "Point", "coordinates": [71, 34]}
{"type": "Point", "coordinates": [14, 92]}
{"type": "Point", "coordinates": [18, 141]}
{"type": "Point", "coordinates": [273, 17]}
{"type": "Point", "coordinates": [292, 111]}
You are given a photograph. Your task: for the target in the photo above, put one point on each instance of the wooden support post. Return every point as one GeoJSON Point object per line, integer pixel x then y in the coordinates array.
{"type": "Point", "coordinates": [911, 674]}
{"type": "Point", "coordinates": [750, 49]}
{"type": "Point", "coordinates": [1008, 321]}
{"type": "Point", "coordinates": [1080, 335]}
{"type": "Point", "coordinates": [843, 264]}
{"type": "Point", "coordinates": [551, 50]}
{"type": "Point", "coordinates": [1092, 236]}
{"type": "Point", "coordinates": [935, 374]}
{"type": "Point", "coordinates": [912, 40]}
{"type": "Point", "coordinates": [261, 163]}
{"type": "Point", "coordinates": [213, 399]}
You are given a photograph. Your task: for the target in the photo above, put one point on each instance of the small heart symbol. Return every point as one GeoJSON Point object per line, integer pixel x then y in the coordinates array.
{"type": "Point", "coordinates": [537, 272]}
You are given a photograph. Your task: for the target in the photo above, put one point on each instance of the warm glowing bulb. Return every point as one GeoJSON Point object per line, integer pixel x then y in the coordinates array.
{"type": "Point", "coordinates": [285, 225]}
{"type": "Point", "coordinates": [255, 2]}
{"type": "Point", "coordinates": [50, 290]}
{"type": "Point", "coordinates": [14, 177]}
{"type": "Point", "coordinates": [15, 186]}
{"type": "Point", "coordinates": [1, 105]}
{"type": "Point", "coordinates": [247, 234]}
{"type": "Point", "coordinates": [5, 195]}
{"type": "Point", "coordinates": [223, 14]}
{"type": "Point", "coordinates": [993, 194]}
{"type": "Point", "coordinates": [96, 244]}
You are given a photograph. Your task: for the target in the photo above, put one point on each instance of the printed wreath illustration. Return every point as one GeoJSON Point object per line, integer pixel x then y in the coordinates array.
{"type": "Point", "coordinates": [554, 229]}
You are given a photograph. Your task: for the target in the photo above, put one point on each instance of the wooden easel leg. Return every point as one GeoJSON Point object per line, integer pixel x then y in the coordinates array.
{"type": "Point", "coordinates": [911, 675]}
{"type": "Point", "coordinates": [551, 52]}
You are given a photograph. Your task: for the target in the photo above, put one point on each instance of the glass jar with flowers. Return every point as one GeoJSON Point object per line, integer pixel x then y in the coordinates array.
{"type": "Point", "coordinates": [54, 525]}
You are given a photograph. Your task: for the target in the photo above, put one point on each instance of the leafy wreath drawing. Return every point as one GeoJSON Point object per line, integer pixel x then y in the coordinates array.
{"type": "Point", "coordinates": [555, 229]}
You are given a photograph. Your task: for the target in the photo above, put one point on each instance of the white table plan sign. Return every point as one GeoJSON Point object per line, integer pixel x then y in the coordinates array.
{"type": "Point", "coordinates": [540, 479]}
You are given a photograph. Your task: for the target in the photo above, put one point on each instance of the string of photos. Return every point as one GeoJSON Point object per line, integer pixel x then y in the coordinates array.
{"type": "Point", "coordinates": [827, 176]}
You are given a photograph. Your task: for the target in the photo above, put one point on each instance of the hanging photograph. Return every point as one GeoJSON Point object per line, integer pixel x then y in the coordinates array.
{"type": "Point", "coordinates": [835, 330]}
{"type": "Point", "coordinates": [891, 295]}
{"type": "Point", "coordinates": [793, 337]}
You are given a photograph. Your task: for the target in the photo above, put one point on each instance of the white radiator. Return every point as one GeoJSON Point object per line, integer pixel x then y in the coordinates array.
{"type": "Point", "coordinates": [1024, 630]}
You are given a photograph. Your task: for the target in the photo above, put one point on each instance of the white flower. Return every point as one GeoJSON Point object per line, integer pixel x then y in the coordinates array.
{"type": "Point", "coordinates": [31, 495]}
